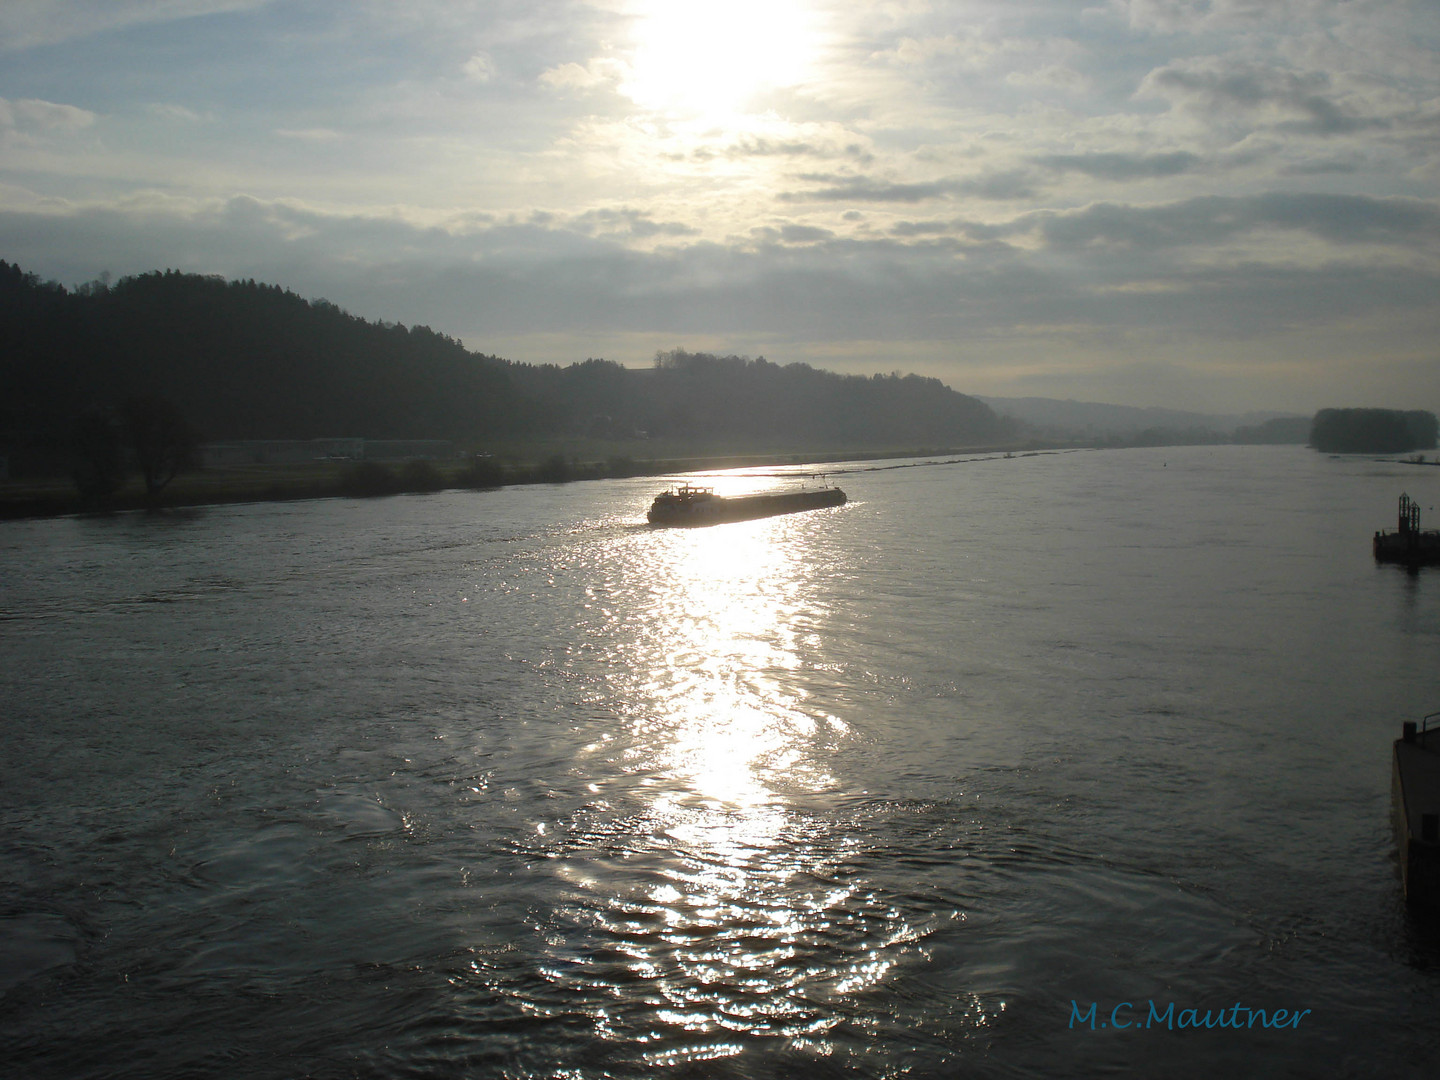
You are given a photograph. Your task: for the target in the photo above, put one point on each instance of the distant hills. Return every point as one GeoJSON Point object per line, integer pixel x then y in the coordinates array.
{"type": "Point", "coordinates": [246, 360]}
{"type": "Point", "coordinates": [242, 360]}
{"type": "Point", "coordinates": [1369, 431]}
{"type": "Point", "coordinates": [1089, 421]}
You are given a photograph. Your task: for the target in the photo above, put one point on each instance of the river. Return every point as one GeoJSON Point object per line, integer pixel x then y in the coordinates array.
{"type": "Point", "coordinates": [509, 784]}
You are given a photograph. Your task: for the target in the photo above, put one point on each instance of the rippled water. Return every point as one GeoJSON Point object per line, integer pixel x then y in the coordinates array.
{"type": "Point", "coordinates": [511, 785]}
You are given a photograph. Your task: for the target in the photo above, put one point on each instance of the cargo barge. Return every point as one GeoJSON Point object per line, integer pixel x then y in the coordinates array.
{"type": "Point", "coordinates": [690, 506]}
{"type": "Point", "coordinates": [1415, 804]}
{"type": "Point", "coordinates": [1408, 544]}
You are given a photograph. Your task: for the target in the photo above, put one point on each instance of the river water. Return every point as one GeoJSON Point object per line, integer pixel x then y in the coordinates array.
{"type": "Point", "coordinates": [509, 784]}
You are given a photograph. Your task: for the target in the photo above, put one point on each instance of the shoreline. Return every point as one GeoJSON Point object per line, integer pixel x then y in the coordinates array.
{"type": "Point", "coordinates": [56, 497]}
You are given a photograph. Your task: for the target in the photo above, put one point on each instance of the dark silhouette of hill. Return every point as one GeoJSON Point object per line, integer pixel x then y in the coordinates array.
{"type": "Point", "coordinates": [240, 360]}
{"type": "Point", "coordinates": [729, 397]}
{"type": "Point", "coordinates": [245, 360]}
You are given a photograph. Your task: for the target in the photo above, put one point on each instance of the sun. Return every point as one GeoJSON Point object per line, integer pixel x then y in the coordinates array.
{"type": "Point", "coordinates": [707, 59]}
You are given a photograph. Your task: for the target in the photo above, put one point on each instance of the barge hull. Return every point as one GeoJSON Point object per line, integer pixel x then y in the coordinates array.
{"type": "Point", "coordinates": [718, 511]}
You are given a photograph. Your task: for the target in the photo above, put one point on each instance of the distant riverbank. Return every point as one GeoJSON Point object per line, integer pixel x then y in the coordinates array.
{"type": "Point", "coordinates": [56, 496]}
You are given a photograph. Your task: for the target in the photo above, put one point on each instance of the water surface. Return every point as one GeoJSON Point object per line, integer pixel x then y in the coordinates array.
{"type": "Point", "coordinates": [509, 784]}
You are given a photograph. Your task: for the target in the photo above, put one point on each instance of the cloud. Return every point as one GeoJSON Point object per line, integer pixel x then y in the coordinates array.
{"type": "Point", "coordinates": [920, 228]}
{"type": "Point", "coordinates": [804, 234]}
{"type": "Point", "coordinates": [998, 185]}
{"type": "Point", "coordinates": [480, 68]}
{"type": "Point", "coordinates": [1289, 100]}
{"type": "Point", "coordinates": [1408, 224]}
{"type": "Point", "coordinates": [867, 189]}
{"type": "Point", "coordinates": [1050, 77]}
{"type": "Point", "coordinates": [577, 77]}
{"type": "Point", "coordinates": [173, 113]}
{"type": "Point", "coordinates": [1193, 16]}
{"type": "Point", "coordinates": [1333, 166]}
{"type": "Point", "coordinates": [626, 222]}
{"type": "Point", "coordinates": [1115, 166]}
{"type": "Point", "coordinates": [1084, 278]}
{"type": "Point", "coordinates": [761, 147]}
{"type": "Point", "coordinates": [27, 23]}
{"type": "Point", "coordinates": [970, 48]}
{"type": "Point", "coordinates": [34, 115]}
{"type": "Point", "coordinates": [231, 236]}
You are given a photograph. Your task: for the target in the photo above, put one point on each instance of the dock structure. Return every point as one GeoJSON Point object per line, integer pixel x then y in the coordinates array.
{"type": "Point", "coordinates": [1415, 801]}
{"type": "Point", "coordinates": [1408, 543]}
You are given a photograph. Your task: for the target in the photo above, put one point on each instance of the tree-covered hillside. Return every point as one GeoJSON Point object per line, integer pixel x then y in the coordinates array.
{"type": "Point", "coordinates": [240, 359]}
{"type": "Point", "coordinates": [1373, 431]}
{"type": "Point", "coordinates": [244, 360]}
{"type": "Point", "coordinates": [730, 397]}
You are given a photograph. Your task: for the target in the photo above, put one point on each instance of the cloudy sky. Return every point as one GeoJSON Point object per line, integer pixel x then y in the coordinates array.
{"type": "Point", "coordinates": [1205, 204]}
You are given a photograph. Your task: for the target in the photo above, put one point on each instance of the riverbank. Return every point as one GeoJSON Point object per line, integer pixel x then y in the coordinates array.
{"type": "Point", "coordinates": [260, 482]}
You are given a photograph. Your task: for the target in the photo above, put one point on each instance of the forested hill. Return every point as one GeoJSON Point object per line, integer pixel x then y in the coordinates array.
{"type": "Point", "coordinates": [240, 360]}
{"type": "Point", "coordinates": [248, 360]}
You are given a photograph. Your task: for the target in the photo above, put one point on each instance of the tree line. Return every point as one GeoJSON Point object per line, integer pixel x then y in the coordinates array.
{"type": "Point", "coordinates": [248, 360]}
{"type": "Point", "coordinates": [1373, 431]}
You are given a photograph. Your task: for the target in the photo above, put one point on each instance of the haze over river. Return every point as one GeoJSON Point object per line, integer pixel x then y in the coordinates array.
{"type": "Point", "coordinates": [508, 784]}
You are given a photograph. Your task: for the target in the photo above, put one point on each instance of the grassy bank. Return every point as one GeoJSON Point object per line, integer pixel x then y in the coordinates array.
{"type": "Point", "coordinates": [552, 463]}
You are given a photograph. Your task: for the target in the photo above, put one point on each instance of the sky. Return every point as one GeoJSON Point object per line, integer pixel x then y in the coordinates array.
{"type": "Point", "coordinates": [1216, 205]}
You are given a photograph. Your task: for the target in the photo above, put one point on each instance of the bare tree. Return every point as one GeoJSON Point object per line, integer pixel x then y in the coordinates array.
{"type": "Point", "coordinates": [163, 442]}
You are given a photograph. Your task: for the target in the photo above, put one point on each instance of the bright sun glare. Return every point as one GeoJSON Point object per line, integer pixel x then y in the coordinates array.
{"type": "Point", "coordinates": [708, 59]}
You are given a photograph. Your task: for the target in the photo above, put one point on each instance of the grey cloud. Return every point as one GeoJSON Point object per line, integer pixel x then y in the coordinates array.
{"type": "Point", "coordinates": [791, 234]}
{"type": "Point", "coordinates": [1324, 117]}
{"type": "Point", "coordinates": [1322, 167]}
{"type": "Point", "coordinates": [1353, 218]}
{"type": "Point", "coordinates": [1246, 88]}
{"type": "Point", "coordinates": [645, 228]}
{"type": "Point", "coordinates": [867, 189]}
{"type": "Point", "coordinates": [804, 234]}
{"type": "Point", "coordinates": [999, 185]}
{"type": "Point", "coordinates": [1012, 184]}
{"type": "Point", "coordinates": [920, 228]}
{"type": "Point", "coordinates": [1218, 87]}
{"type": "Point", "coordinates": [628, 222]}
{"type": "Point", "coordinates": [1115, 166]}
{"type": "Point", "coordinates": [1107, 268]}
{"type": "Point", "coordinates": [760, 147]}
{"type": "Point", "coordinates": [770, 148]}
{"type": "Point", "coordinates": [1340, 219]}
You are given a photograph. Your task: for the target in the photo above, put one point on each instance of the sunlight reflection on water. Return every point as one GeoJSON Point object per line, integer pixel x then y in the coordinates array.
{"type": "Point", "coordinates": [730, 908]}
